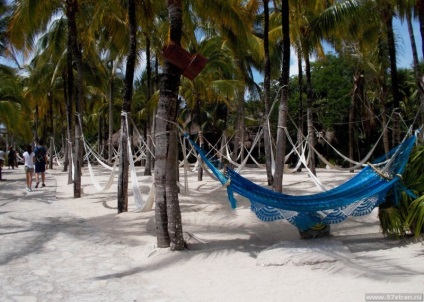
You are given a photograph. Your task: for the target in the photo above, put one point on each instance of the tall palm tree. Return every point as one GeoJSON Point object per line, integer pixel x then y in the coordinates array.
{"type": "Point", "coordinates": [126, 108]}
{"type": "Point", "coordinates": [307, 38]}
{"type": "Point", "coordinates": [335, 23]}
{"type": "Point", "coordinates": [234, 21]}
{"type": "Point", "coordinates": [48, 65]}
{"type": "Point", "coordinates": [387, 13]}
{"type": "Point", "coordinates": [30, 18]}
{"type": "Point", "coordinates": [71, 10]}
{"type": "Point", "coordinates": [266, 94]}
{"type": "Point", "coordinates": [167, 210]}
{"type": "Point", "coordinates": [112, 44]}
{"type": "Point", "coordinates": [284, 99]}
{"type": "Point", "coordinates": [153, 45]}
{"type": "Point", "coordinates": [148, 124]}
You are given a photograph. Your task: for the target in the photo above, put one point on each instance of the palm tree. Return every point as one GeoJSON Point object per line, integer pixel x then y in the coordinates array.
{"type": "Point", "coordinates": [307, 37]}
{"type": "Point", "coordinates": [71, 11]}
{"type": "Point", "coordinates": [284, 99]}
{"type": "Point", "coordinates": [112, 44]}
{"type": "Point", "coordinates": [387, 12]}
{"type": "Point", "coordinates": [235, 26]}
{"type": "Point", "coordinates": [339, 25]}
{"type": "Point", "coordinates": [214, 85]}
{"type": "Point", "coordinates": [31, 18]}
{"type": "Point", "coordinates": [153, 45]}
{"type": "Point", "coordinates": [167, 210]}
{"type": "Point", "coordinates": [126, 108]}
{"type": "Point", "coordinates": [266, 94]}
{"type": "Point", "coordinates": [45, 76]}
{"type": "Point", "coordinates": [148, 124]}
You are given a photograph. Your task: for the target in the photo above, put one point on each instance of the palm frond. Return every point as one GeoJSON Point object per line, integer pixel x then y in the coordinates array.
{"type": "Point", "coordinates": [391, 222]}
{"type": "Point", "coordinates": [415, 219]}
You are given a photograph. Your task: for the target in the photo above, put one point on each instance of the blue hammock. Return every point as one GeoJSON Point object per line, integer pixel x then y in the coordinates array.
{"type": "Point", "coordinates": [356, 197]}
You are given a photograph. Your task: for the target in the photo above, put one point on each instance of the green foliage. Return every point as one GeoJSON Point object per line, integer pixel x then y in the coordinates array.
{"type": "Point", "coordinates": [392, 222]}
{"type": "Point", "coordinates": [332, 80]}
{"type": "Point", "coordinates": [408, 214]}
{"type": "Point", "coordinates": [415, 219]}
{"type": "Point", "coordinates": [14, 112]}
{"type": "Point", "coordinates": [414, 174]}
{"type": "Point", "coordinates": [332, 83]}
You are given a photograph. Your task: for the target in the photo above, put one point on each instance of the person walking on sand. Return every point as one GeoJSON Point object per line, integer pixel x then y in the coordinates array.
{"type": "Point", "coordinates": [40, 163]}
{"type": "Point", "coordinates": [29, 166]}
{"type": "Point", "coordinates": [11, 158]}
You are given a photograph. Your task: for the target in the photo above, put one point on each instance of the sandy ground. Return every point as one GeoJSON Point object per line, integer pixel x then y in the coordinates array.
{"type": "Point", "coordinates": [233, 256]}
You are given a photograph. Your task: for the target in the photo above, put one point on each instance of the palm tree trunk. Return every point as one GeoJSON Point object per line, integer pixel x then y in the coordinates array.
{"type": "Point", "coordinates": [354, 97]}
{"type": "Point", "coordinates": [148, 132]}
{"type": "Point", "coordinates": [71, 10]}
{"type": "Point", "coordinates": [99, 134]}
{"type": "Point", "coordinates": [386, 143]}
{"type": "Point", "coordinates": [267, 88]}
{"type": "Point", "coordinates": [240, 122]}
{"type": "Point", "coordinates": [309, 114]}
{"type": "Point", "coordinates": [36, 122]}
{"type": "Point", "coordinates": [300, 104]}
{"type": "Point", "coordinates": [50, 97]}
{"type": "Point", "coordinates": [242, 129]}
{"type": "Point", "coordinates": [167, 211]}
{"type": "Point", "coordinates": [69, 107]}
{"type": "Point", "coordinates": [393, 72]}
{"type": "Point", "coordinates": [129, 79]}
{"type": "Point", "coordinates": [153, 123]}
{"type": "Point", "coordinates": [198, 115]}
{"type": "Point", "coordinates": [66, 129]}
{"type": "Point", "coordinates": [284, 101]}
{"type": "Point", "coordinates": [110, 114]}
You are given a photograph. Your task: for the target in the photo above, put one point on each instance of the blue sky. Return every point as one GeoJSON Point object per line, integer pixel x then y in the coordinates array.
{"type": "Point", "coordinates": [404, 54]}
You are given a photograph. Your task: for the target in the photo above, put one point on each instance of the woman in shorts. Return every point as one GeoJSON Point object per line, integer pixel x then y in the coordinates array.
{"type": "Point", "coordinates": [29, 166]}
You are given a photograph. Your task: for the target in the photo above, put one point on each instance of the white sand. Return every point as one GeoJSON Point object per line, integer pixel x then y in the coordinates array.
{"type": "Point", "coordinates": [233, 256]}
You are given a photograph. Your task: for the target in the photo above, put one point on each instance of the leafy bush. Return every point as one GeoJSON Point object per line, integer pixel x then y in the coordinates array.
{"type": "Point", "coordinates": [404, 213]}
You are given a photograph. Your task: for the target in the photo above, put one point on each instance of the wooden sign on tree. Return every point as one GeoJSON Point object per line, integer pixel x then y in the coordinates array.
{"type": "Point", "coordinates": [189, 64]}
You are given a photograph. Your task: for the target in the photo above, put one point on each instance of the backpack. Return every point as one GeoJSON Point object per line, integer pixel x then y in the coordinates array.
{"type": "Point", "coordinates": [40, 152]}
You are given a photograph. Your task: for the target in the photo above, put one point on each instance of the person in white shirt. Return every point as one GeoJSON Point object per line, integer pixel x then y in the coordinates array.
{"type": "Point", "coordinates": [29, 166]}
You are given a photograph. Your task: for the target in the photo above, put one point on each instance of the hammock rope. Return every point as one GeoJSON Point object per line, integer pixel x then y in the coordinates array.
{"type": "Point", "coordinates": [141, 205]}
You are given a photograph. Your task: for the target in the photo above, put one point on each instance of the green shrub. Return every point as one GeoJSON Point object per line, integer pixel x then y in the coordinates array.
{"type": "Point", "coordinates": [404, 213]}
